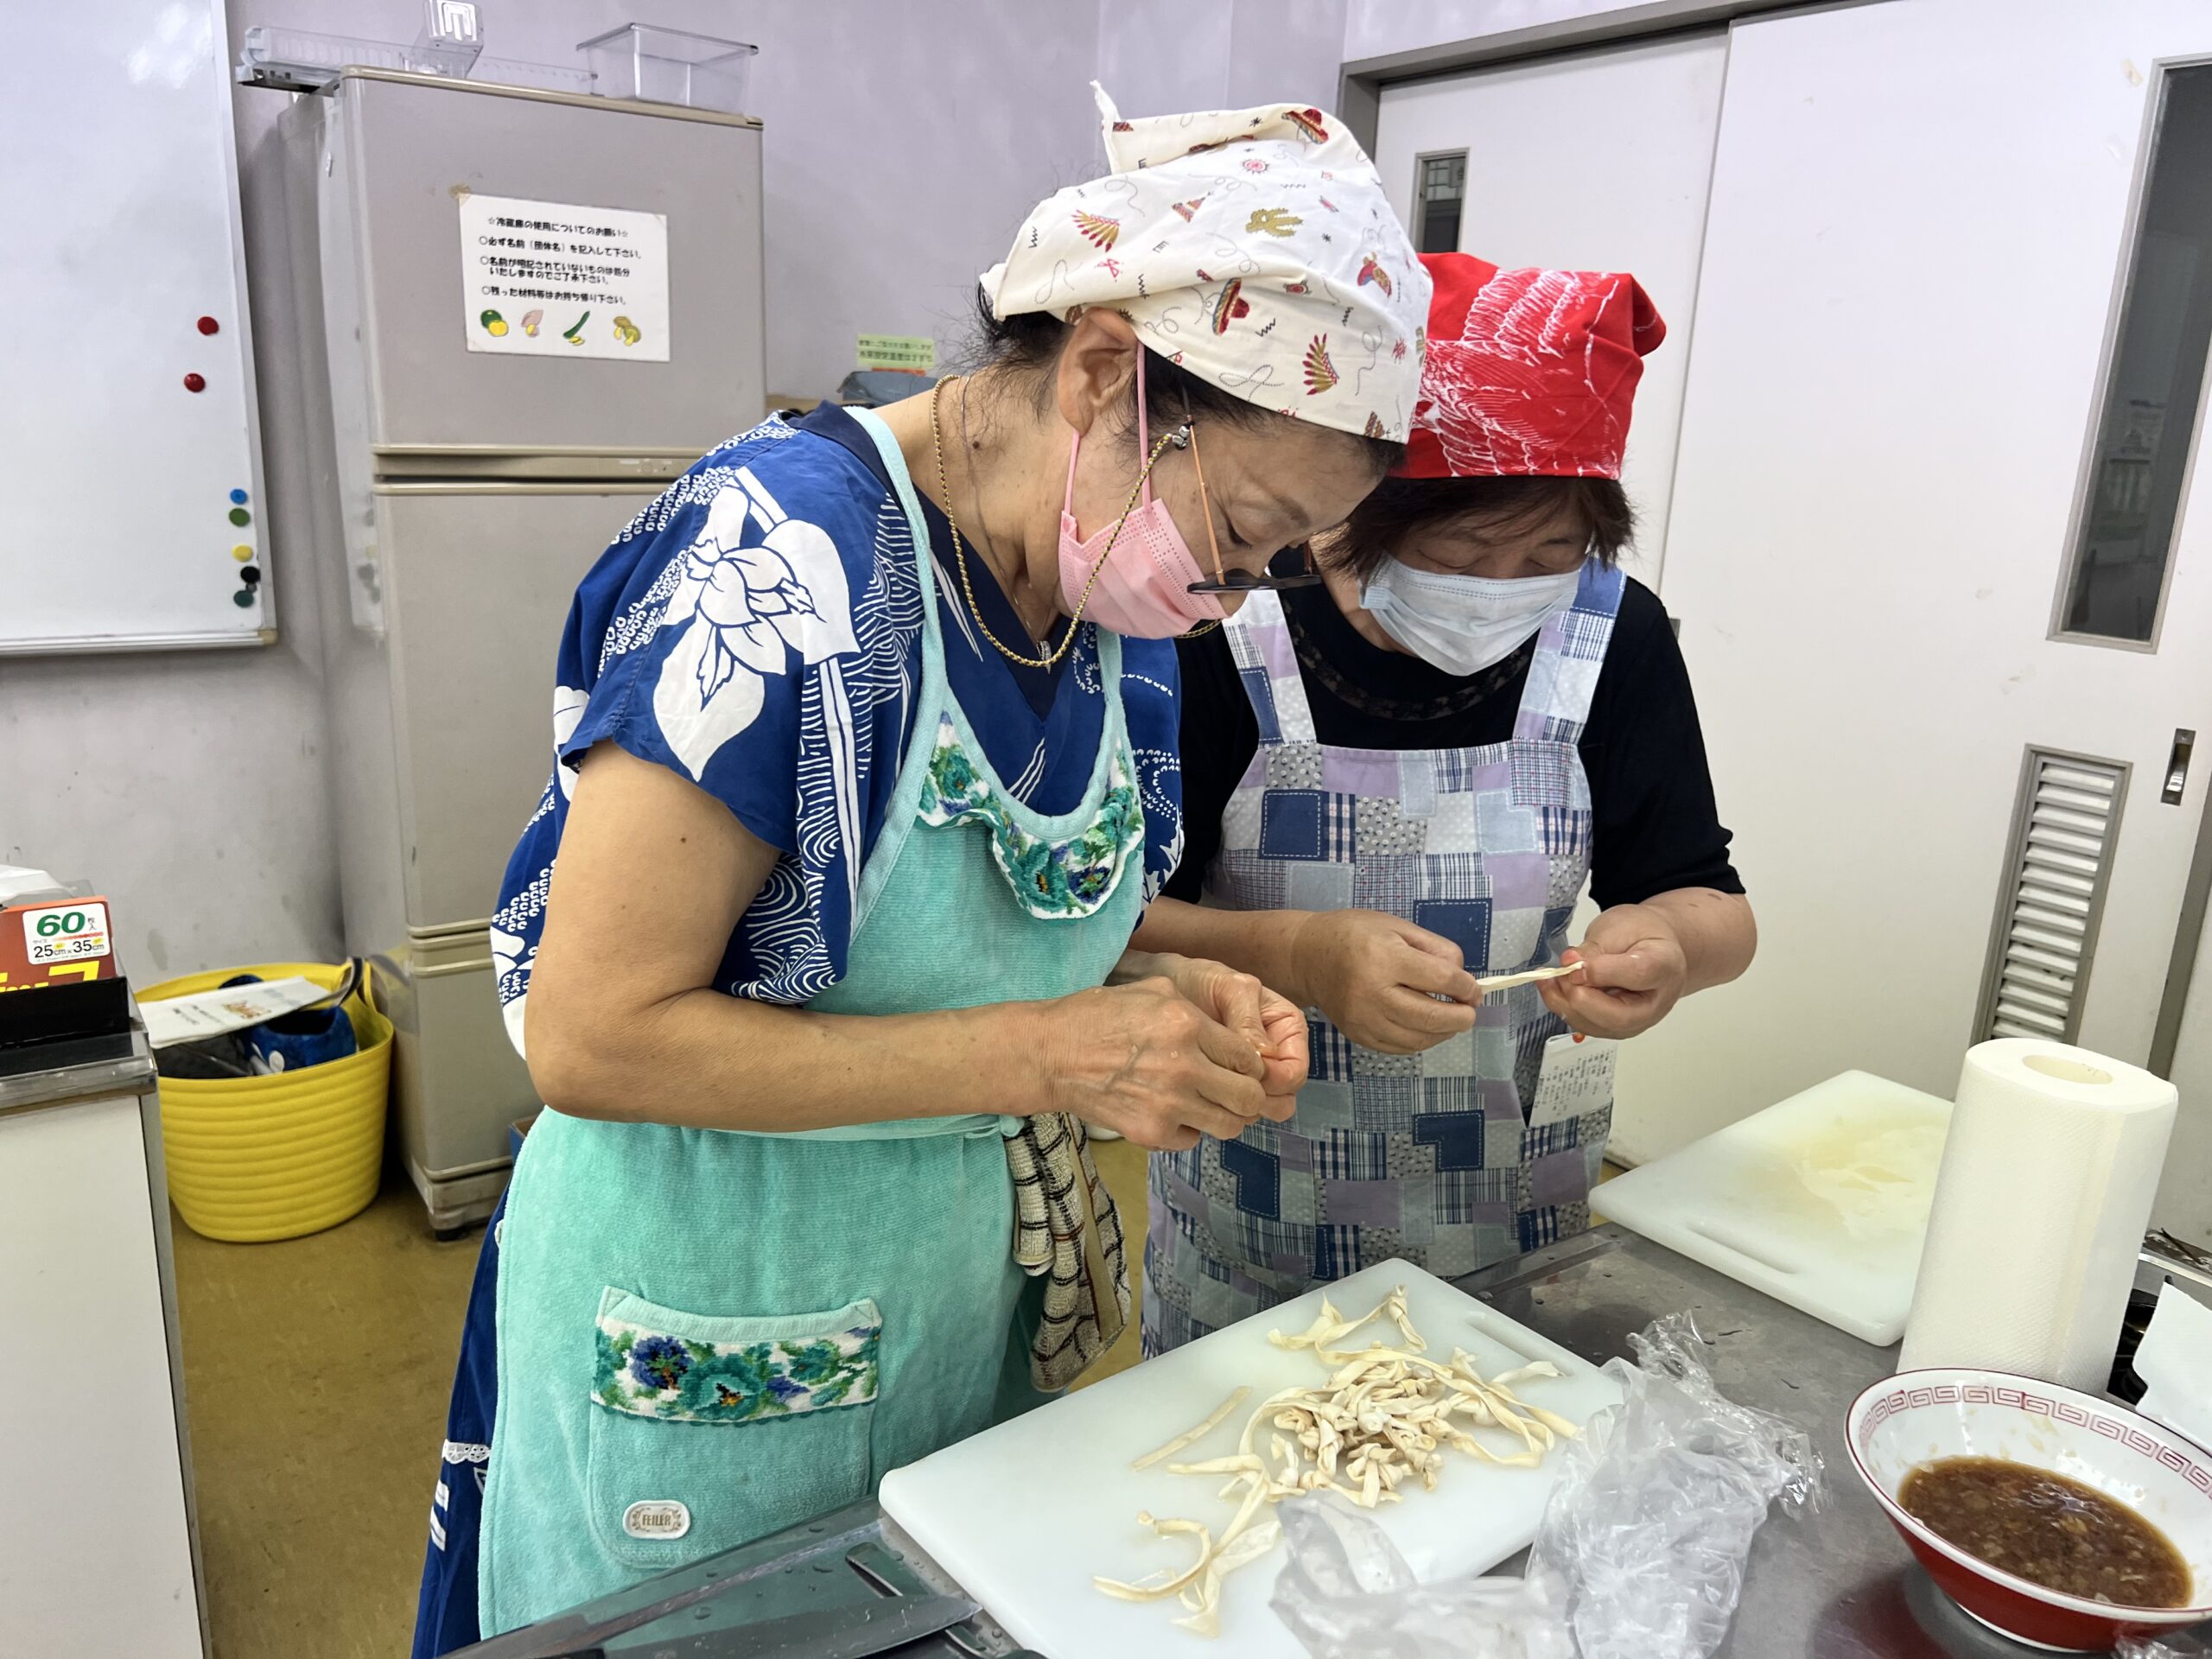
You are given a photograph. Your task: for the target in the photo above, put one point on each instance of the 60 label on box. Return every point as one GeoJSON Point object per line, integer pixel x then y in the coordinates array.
{"type": "Point", "coordinates": [62, 943]}
{"type": "Point", "coordinates": [67, 932]}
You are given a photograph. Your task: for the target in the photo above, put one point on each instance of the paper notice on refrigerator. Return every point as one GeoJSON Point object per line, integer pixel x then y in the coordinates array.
{"type": "Point", "coordinates": [555, 279]}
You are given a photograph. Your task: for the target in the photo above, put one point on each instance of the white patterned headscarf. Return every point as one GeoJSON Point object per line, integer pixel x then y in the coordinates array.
{"type": "Point", "coordinates": [1253, 248]}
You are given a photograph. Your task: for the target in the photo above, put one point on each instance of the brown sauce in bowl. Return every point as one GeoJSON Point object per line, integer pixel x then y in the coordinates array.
{"type": "Point", "coordinates": [2049, 1530]}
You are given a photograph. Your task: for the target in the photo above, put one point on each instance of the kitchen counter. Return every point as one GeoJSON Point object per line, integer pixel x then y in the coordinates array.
{"type": "Point", "coordinates": [1837, 1585]}
{"type": "Point", "coordinates": [97, 1530]}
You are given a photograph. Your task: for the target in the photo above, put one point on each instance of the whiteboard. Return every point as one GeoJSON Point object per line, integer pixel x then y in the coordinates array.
{"type": "Point", "coordinates": [119, 200]}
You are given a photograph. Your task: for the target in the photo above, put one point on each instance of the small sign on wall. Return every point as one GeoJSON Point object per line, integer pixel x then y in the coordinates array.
{"type": "Point", "coordinates": [914, 354]}
{"type": "Point", "coordinates": [554, 279]}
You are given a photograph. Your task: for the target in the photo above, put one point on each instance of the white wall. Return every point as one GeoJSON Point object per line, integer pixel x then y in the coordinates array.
{"type": "Point", "coordinates": [1377, 29]}
{"type": "Point", "coordinates": [1159, 57]}
{"type": "Point", "coordinates": [903, 143]}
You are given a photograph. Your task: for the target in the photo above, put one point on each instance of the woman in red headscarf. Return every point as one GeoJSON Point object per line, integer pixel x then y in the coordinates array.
{"type": "Point", "coordinates": [1398, 780]}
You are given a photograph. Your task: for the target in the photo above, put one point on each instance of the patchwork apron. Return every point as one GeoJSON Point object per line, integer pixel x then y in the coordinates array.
{"type": "Point", "coordinates": [1488, 1144]}
{"type": "Point", "coordinates": [705, 1336]}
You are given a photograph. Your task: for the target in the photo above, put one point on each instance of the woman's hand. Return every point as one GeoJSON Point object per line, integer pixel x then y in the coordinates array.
{"type": "Point", "coordinates": [1146, 1060]}
{"type": "Point", "coordinates": [1635, 969]}
{"type": "Point", "coordinates": [1377, 978]}
{"type": "Point", "coordinates": [1272, 1024]}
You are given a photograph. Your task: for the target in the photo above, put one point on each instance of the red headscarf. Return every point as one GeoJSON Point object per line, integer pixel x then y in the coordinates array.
{"type": "Point", "coordinates": [1530, 373]}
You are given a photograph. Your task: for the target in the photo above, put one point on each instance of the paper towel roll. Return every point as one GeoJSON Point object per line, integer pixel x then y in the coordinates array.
{"type": "Point", "coordinates": [2046, 1185]}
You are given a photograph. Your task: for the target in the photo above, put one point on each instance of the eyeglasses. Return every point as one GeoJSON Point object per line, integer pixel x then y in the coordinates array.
{"type": "Point", "coordinates": [1249, 581]}
{"type": "Point", "coordinates": [1227, 581]}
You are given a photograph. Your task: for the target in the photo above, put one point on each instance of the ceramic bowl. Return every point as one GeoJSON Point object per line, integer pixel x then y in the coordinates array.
{"type": "Point", "coordinates": [1916, 1417]}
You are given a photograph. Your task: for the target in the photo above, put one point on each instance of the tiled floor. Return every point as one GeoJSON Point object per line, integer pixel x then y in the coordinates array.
{"type": "Point", "coordinates": [316, 1372]}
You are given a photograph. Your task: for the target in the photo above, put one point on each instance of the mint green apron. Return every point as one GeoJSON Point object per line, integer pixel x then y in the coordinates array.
{"type": "Point", "coordinates": [706, 1336]}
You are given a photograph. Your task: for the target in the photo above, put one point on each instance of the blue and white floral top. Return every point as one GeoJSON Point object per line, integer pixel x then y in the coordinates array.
{"type": "Point", "coordinates": [758, 630]}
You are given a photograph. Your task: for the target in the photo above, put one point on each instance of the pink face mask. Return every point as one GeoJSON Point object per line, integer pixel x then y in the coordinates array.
{"type": "Point", "coordinates": [1144, 573]}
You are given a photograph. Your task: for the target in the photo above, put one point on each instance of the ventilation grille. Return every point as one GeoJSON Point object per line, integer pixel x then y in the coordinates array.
{"type": "Point", "coordinates": [2063, 831]}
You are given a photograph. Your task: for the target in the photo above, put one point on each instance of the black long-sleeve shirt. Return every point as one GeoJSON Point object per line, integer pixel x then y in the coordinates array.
{"type": "Point", "coordinates": [1656, 826]}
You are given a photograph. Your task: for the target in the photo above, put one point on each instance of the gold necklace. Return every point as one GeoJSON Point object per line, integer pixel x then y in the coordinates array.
{"type": "Point", "coordinates": [960, 551]}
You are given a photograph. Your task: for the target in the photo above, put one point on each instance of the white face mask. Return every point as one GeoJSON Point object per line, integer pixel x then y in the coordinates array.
{"type": "Point", "coordinates": [1462, 623]}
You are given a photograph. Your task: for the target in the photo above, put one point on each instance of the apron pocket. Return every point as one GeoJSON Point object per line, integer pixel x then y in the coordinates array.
{"type": "Point", "coordinates": [664, 1486]}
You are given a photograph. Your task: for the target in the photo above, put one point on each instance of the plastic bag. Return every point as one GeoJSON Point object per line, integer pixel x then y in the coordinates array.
{"type": "Point", "coordinates": [1639, 1555]}
{"type": "Point", "coordinates": [2181, 1644]}
{"type": "Point", "coordinates": [1346, 1591]}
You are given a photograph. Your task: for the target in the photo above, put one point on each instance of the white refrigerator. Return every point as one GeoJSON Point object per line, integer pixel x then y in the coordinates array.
{"type": "Point", "coordinates": [524, 312]}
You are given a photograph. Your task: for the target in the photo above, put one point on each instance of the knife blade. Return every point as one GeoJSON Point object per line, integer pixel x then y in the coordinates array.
{"type": "Point", "coordinates": [853, 1631]}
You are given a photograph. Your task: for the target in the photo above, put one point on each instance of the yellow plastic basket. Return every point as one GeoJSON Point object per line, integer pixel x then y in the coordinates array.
{"type": "Point", "coordinates": [255, 1159]}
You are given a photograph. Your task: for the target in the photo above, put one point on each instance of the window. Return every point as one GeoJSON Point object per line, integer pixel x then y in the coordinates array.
{"type": "Point", "coordinates": [2117, 577]}
{"type": "Point", "coordinates": [1437, 193]}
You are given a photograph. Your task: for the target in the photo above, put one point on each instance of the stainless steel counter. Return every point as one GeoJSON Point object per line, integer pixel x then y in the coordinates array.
{"type": "Point", "coordinates": [1838, 1585]}
{"type": "Point", "coordinates": [1834, 1585]}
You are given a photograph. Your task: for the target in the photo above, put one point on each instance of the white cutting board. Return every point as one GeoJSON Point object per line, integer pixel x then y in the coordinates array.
{"type": "Point", "coordinates": [1754, 1200]}
{"type": "Point", "coordinates": [1025, 1514]}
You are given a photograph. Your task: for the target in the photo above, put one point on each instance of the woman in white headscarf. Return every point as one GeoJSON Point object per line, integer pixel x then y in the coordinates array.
{"type": "Point", "coordinates": [865, 771]}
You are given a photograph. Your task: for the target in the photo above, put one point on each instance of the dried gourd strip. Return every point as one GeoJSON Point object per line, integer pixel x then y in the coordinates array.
{"type": "Point", "coordinates": [1383, 1417]}
{"type": "Point", "coordinates": [1534, 1368]}
{"type": "Point", "coordinates": [1248, 1547]}
{"type": "Point", "coordinates": [1193, 1436]}
{"type": "Point", "coordinates": [1147, 1592]}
